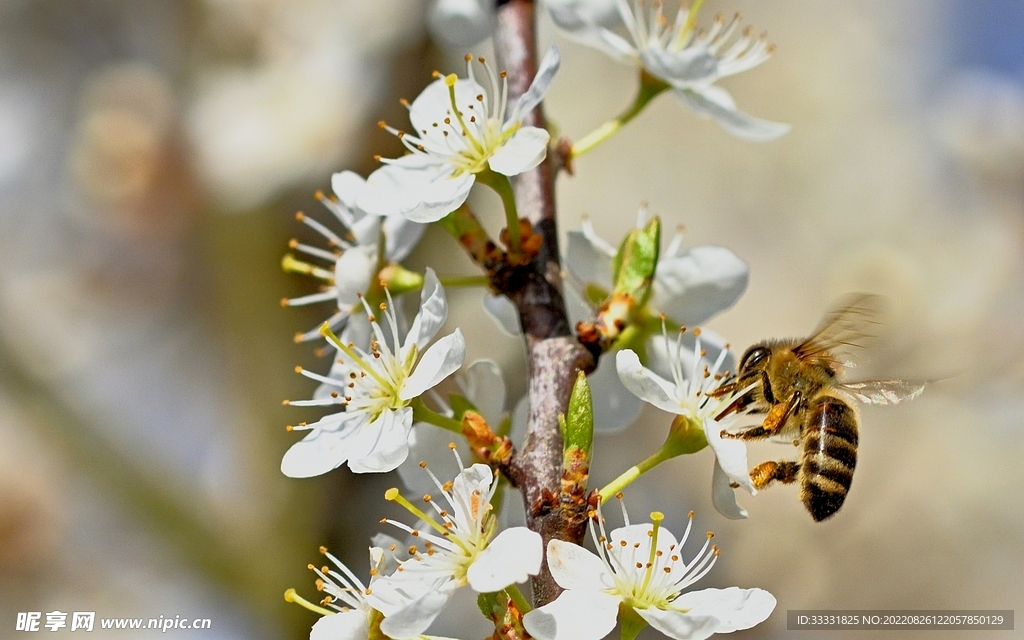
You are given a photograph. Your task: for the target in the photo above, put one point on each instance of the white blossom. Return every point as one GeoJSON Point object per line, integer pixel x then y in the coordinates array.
{"type": "Point", "coordinates": [690, 287]}
{"type": "Point", "coordinates": [374, 389]}
{"type": "Point", "coordinates": [460, 128]}
{"type": "Point", "coordinates": [640, 567]}
{"type": "Point", "coordinates": [356, 254]}
{"type": "Point", "coordinates": [690, 395]}
{"type": "Point", "coordinates": [484, 386]}
{"type": "Point", "coordinates": [674, 51]}
{"type": "Point", "coordinates": [461, 549]}
{"type": "Point", "coordinates": [346, 613]}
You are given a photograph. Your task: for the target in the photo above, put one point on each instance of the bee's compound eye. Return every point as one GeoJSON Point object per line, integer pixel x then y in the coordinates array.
{"type": "Point", "coordinates": [753, 357]}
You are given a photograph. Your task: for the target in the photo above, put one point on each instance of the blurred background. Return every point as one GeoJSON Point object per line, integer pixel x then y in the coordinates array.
{"type": "Point", "coordinates": [152, 156]}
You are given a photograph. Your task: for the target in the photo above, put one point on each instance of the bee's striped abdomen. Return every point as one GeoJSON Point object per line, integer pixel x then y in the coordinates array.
{"type": "Point", "coordinates": [829, 455]}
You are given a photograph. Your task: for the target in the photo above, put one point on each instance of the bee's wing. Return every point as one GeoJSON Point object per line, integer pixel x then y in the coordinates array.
{"type": "Point", "coordinates": [884, 391]}
{"type": "Point", "coordinates": [845, 327]}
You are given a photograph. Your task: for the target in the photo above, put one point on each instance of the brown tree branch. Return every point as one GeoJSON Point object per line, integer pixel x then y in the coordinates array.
{"type": "Point", "coordinates": [554, 356]}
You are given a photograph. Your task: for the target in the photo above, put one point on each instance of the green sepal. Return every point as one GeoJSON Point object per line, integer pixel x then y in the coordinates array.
{"type": "Point", "coordinates": [376, 617]}
{"type": "Point", "coordinates": [489, 605]}
{"type": "Point", "coordinates": [684, 436]}
{"type": "Point", "coordinates": [400, 280]}
{"type": "Point", "coordinates": [595, 294]}
{"type": "Point", "coordinates": [502, 611]}
{"type": "Point", "coordinates": [630, 622]}
{"type": "Point", "coordinates": [636, 260]}
{"type": "Point", "coordinates": [578, 429]}
{"type": "Point", "coordinates": [460, 405]}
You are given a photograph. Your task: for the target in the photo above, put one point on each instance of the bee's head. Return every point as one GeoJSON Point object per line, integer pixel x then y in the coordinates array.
{"type": "Point", "coordinates": [754, 359]}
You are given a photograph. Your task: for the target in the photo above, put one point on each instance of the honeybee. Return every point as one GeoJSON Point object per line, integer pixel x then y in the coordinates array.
{"type": "Point", "coordinates": [796, 383]}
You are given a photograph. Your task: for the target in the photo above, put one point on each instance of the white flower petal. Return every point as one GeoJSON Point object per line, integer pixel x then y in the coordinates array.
{"type": "Point", "coordinates": [511, 557]}
{"type": "Point", "coordinates": [435, 103]}
{"type": "Point", "coordinates": [366, 230]}
{"type": "Point", "coordinates": [417, 186]}
{"type": "Point", "coordinates": [357, 331]}
{"type": "Point", "coordinates": [400, 237]}
{"type": "Point", "coordinates": [526, 149]}
{"type": "Point", "coordinates": [428, 443]}
{"type": "Point", "coordinates": [587, 259]}
{"type": "Point", "coordinates": [546, 71]}
{"type": "Point", "coordinates": [441, 359]}
{"type": "Point", "coordinates": [662, 353]}
{"type": "Point", "coordinates": [576, 307]}
{"type": "Point", "coordinates": [347, 185]}
{"type": "Point", "coordinates": [322, 450]}
{"type": "Point", "coordinates": [715, 103]}
{"type": "Point", "coordinates": [476, 478]}
{"type": "Point", "coordinates": [348, 625]}
{"type": "Point", "coordinates": [414, 618]}
{"type": "Point", "coordinates": [586, 20]}
{"type": "Point", "coordinates": [644, 383]}
{"type": "Point", "coordinates": [574, 615]}
{"type": "Point", "coordinates": [520, 420]}
{"type": "Point", "coordinates": [641, 534]}
{"type": "Point", "coordinates": [692, 64]}
{"type": "Point", "coordinates": [678, 625]}
{"type": "Point", "coordinates": [460, 23]}
{"type": "Point", "coordinates": [353, 272]}
{"type": "Point", "coordinates": [484, 386]}
{"type": "Point", "coordinates": [692, 287]}
{"type": "Point", "coordinates": [734, 608]}
{"type": "Point", "coordinates": [615, 408]}
{"type": "Point", "coordinates": [574, 567]}
{"type": "Point", "coordinates": [390, 444]}
{"type": "Point", "coordinates": [438, 198]}
{"type": "Point", "coordinates": [504, 312]}
{"type": "Point", "coordinates": [432, 314]}
{"type": "Point", "coordinates": [723, 496]}
{"type": "Point", "coordinates": [731, 454]}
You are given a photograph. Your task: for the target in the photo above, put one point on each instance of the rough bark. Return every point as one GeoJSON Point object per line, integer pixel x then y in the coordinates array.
{"type": "Point", "coordinates": [554, 356]}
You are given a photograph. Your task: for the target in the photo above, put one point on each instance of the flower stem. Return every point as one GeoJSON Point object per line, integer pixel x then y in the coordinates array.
{"type": "Point", "coordinates": [516, 596]}
{"type": "Point", "coordinates": [422, 413]}
{"type": "Point", "coordinates": [634, 472]}
{"type": "Point", "coordinates": [503, 187]}
{"type": "Point", "coordinates": [649, 88]}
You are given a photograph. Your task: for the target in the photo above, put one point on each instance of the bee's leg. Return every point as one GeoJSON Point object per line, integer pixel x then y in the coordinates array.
{"type": "Point", "coordinates": [744, 400]}
{"type": "Point", "coordinates": [784, 471]}
{"type": "Point", "coordinates": [724, 389]}
{"type": "Point", "coordinates": [773, 422]}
